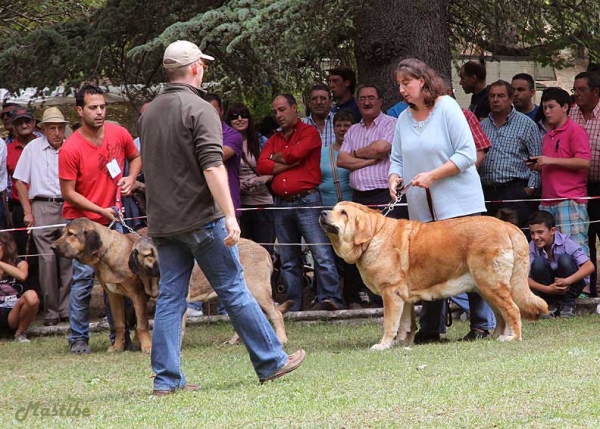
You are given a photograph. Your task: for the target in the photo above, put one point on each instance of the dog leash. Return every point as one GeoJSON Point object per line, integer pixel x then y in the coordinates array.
{"type": "Point", "coordinates": [390, 206]}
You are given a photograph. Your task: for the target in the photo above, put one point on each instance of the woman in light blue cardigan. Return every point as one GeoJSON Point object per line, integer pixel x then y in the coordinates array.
{"type": "Point", "coordinates": [433, 149]}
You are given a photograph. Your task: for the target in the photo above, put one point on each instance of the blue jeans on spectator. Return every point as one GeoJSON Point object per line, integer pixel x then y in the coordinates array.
{"type": "Point", "coordinates": [79, 301]}
{"type": "Point", "coordinates": [291, 224]}
{"type": "Point", "coordinates": [542, 272]}
{"type": "Point", "coordinates": [433, 315]}
{"type": "Point", "coordinates": [224, 272]}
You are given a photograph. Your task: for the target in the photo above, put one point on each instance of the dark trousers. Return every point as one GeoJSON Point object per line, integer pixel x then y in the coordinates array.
{"type": "Point", "coordinates": [21, 239]}
{"type": "Point", "coordinates": [352, 281]}
{"type": "Point", "coordinates": [513, 190]}
{"type": "Point", "coordinates": [542, 272]}
{"type": "Point", "coordinates": [593, 231]}
{"type": "Point", "coordinates": [259, 226]}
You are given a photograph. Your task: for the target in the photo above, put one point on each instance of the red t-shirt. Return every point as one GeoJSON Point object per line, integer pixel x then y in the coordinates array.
{"type": "Point", "coordinates": [85, 163]}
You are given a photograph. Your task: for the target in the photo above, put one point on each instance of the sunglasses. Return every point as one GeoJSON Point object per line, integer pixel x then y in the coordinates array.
{"type": "Point", "coordinates": [240, 116]}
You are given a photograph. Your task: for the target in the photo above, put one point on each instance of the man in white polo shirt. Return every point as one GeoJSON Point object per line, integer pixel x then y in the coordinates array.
{"type": "Point", "coordinates": [43, 204]}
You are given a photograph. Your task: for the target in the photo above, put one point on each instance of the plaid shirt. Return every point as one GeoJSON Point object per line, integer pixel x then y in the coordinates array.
{"type": "Point", "coordinates": [327, 135]}
{"type": "Point", "coordinates": [512, 143]}
{"type": "Point", "coordinates": [481, 140]}
{"type": "Point", "coordinates": [592, 126]}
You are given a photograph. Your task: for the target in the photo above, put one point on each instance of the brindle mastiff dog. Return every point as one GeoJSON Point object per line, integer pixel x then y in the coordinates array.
{"type": "Point", "coordinates": [407, 261]}
{"type": "Point", "coordinates": [108, 252]}
{"type": "Point", "coordinates": [257, 265]}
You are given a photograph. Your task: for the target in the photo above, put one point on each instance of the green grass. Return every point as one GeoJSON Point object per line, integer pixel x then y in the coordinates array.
{"type": "Point", "coordinates": [549, 380]}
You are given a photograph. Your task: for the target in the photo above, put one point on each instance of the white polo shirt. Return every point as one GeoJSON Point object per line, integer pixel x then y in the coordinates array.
{"type": "Point", "coordinates": [38, 166]}
{"type": "Point", "coordinates": [3, 173]}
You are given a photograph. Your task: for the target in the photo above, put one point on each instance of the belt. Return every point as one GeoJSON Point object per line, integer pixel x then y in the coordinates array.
{"type": "Point", "coordinates": [296, 197]}
{"type": "Point", "coordinates": [513, 182]}
{"type": "Point", "coordinates": [49, 199]}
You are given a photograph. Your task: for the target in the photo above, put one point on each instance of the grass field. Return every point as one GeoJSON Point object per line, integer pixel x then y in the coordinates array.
{"type": "Point", "coordinates": [550, 380]}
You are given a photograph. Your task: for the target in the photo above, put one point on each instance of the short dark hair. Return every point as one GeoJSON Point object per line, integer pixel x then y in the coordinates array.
{"type": "Point", "coordinates": [559, 95]}
{"type": "Point", "coordinates": [211, 96]}
{"type": "Point", "coordinates": [289, 97]}
{"type": "Point", "coordinates": [475, 68]}
{"type": "Point", "coordinates": [509, 89]}
{"type": "Point", "coordinates": [369, 85]}
{"type": "Point", "coordinates": [347, 74]}
{"type": "Point", "coordinates": [89, 89]}
{"type": "Point", "coordinates": [344, 115]}
{"type": "Point", "coordinates": [593, 79]}
{"type": "Point", "coordinates": [319, 87]}
{"type": "Point", "coordinates": [526, 77]}
{"type": "Point", "coordinates": [542, 217]}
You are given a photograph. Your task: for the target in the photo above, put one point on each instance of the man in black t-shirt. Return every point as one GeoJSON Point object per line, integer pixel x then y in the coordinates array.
{"type": "Point", "coordinates": [472, 79]}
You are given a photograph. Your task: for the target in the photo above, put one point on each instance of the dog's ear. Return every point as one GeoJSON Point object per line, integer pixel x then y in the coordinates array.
{"type": "Point", "coordinates": [362, 229]}
{"type": "Point", "coordinates": [93, 242]}
{"type": "Point", "coordinates": [133, 262]}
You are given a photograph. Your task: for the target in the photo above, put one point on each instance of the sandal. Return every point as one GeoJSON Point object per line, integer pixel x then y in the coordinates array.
{"type": "Point", "coordinates": [81, 347]}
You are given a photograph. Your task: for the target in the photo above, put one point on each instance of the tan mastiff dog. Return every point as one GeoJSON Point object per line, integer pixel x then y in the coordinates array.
{"type": "Point", "coordinates": [108, 252]}
{"type": "Point", "coordinates": [258, 268]}
{"type": "Point", "coordinates": [407, 261]}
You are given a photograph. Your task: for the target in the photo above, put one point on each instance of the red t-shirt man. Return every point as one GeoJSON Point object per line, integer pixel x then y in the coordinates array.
{"type": "Point", "coordinates": [88, 165]}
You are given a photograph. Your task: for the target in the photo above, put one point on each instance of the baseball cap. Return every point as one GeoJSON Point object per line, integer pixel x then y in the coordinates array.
{"type": "Point", "coordinates": [182, 53]}
{"type": "Point", "coordinates": [21, 112]}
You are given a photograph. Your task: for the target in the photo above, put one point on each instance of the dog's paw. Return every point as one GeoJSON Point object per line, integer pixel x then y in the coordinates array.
{"type": "Point", "coordinates": [505, 338]}
{"type": "Point", "coordinates": [113, 349]}
{"type": "Point", "coordinates": [380, 347]}
{"type": "Point", "coordinates": [147, 349]}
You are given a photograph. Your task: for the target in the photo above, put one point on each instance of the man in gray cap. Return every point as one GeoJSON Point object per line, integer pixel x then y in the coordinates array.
{"type": "Point", "coordinates": [37, 169]}
{"type": "Point", "coordinates": [191, 218]}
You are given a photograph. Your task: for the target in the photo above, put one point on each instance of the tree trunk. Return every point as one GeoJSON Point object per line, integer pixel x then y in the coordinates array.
{"type": "Point", "coordinates": [387, 31]}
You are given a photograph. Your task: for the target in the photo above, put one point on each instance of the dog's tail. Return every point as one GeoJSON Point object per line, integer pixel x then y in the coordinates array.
{"type": "Point", "coordinates": [530, 305]}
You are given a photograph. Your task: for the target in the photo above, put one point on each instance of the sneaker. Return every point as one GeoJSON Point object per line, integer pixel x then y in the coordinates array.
{"type": "Point", "coordinates": [552, 312]}
{"type": "Point", "coordinates": [294, 361]}
{"type": "Point", "coordinates": [584, 295]}
{"type": "Point", "coordinates": [21, 338]}
{"type": "Point", "coordinates": [476, 334]}
{"type": "Point", "coordinates": [364, 298]}
{"type": "Point", "coordinates": [194, 313]}
{"type": "Point", "coordinates": [80, 347]}
{"type": "Point", "coordinates": [567, 311]}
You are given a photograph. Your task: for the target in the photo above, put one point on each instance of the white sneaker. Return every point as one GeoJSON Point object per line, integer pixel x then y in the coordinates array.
{"type": "Point", "coordinates": [194, 313]}
{"type": "Point", "coordinates": [22, 338]}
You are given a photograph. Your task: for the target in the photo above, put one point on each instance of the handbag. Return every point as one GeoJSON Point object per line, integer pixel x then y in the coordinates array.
{"type": "Point", "coordinates": [336, 177]}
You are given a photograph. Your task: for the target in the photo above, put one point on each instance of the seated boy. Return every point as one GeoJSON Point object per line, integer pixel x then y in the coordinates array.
{"type": "Point", "coordinates": [560, 269]}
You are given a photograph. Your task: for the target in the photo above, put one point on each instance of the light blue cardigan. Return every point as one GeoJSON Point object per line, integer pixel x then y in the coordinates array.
{"type": "Point", "coordinates": [445, 136]}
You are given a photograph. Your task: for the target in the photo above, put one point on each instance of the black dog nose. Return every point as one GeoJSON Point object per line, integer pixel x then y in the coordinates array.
{"type": "Point", "coordinates": [54, 248]}
{"type": "Point", "coordinates": [324, 213]}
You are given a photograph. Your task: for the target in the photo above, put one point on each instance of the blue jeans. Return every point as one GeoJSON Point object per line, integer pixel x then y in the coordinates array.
{"type": "Point", "coordinates": [433, 316]}
{"type": "Point", "coordinates": [224, 272]}
{"type": "Point", "coordinates": [542, 272]}
{"type": "Point", "coordinates": [79, 301]}
{"type": "Point", "coordinates": [291, 224]}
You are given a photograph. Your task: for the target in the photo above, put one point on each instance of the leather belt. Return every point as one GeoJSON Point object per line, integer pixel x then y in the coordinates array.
{"type": "Point", "coordinates": [50, 199]}
{"type": "Point", "coordinates": [296, 197]}
{"type": "Point", "coordinates": [498, 186]}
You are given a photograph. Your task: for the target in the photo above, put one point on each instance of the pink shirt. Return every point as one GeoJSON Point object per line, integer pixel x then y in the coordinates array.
{"type": "Point", "coordinates": [358, 136]}
{"type": "Point", "coordinates": [593, 129]}
{"type": "Point", "coordinates": [568, 141]}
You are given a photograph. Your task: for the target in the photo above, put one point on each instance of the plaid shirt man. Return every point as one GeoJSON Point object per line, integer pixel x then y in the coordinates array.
{"type": "Point", "coordinates": [592, 126]}
{"type": "Point", "coordinates": [327, 135]}
{"type": "Point", "coordinates": [512, 143]}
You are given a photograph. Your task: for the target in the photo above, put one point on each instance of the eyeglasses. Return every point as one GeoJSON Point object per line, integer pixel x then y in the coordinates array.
{"type": "Point", "coordinates": [240, 116]}
{"type": "Point", "coordinates": [580, 89]}
{"type": "Point", "coordinates": [370, 98]}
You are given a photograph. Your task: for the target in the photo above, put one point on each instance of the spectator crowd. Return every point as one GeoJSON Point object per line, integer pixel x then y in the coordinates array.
{"type": "Point", "coordinates": [505, 156]}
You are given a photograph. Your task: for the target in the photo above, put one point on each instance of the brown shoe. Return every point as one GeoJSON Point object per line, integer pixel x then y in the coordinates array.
{"type": "Point", "coordinates": [329, 305]}
{"type": "Point", "coordinates": [294, 361]}
{"type": "Point", "coordinates": [187, 388]}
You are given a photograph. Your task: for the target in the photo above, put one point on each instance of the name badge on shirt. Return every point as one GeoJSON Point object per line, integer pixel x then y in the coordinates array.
{"type": "Point", "coordinates": [113, 168]}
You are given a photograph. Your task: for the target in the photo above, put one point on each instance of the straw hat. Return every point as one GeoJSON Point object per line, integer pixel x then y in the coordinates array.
{"type": "Point", "coordinates": [52, 115]}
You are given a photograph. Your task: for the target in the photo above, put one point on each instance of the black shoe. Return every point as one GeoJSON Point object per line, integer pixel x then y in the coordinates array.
{"type": "Point", "coordinates": [567, 310]}
{"type": "Point", "coordinates": [423, 338]}
{"type": "Point", "coordinates": [51, 321]}
{"type": "Point", "coordinates": [476, 334]}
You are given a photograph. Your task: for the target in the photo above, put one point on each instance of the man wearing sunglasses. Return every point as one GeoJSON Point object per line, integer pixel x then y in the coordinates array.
{"type": "Point", "coordinates": [586, 112]}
